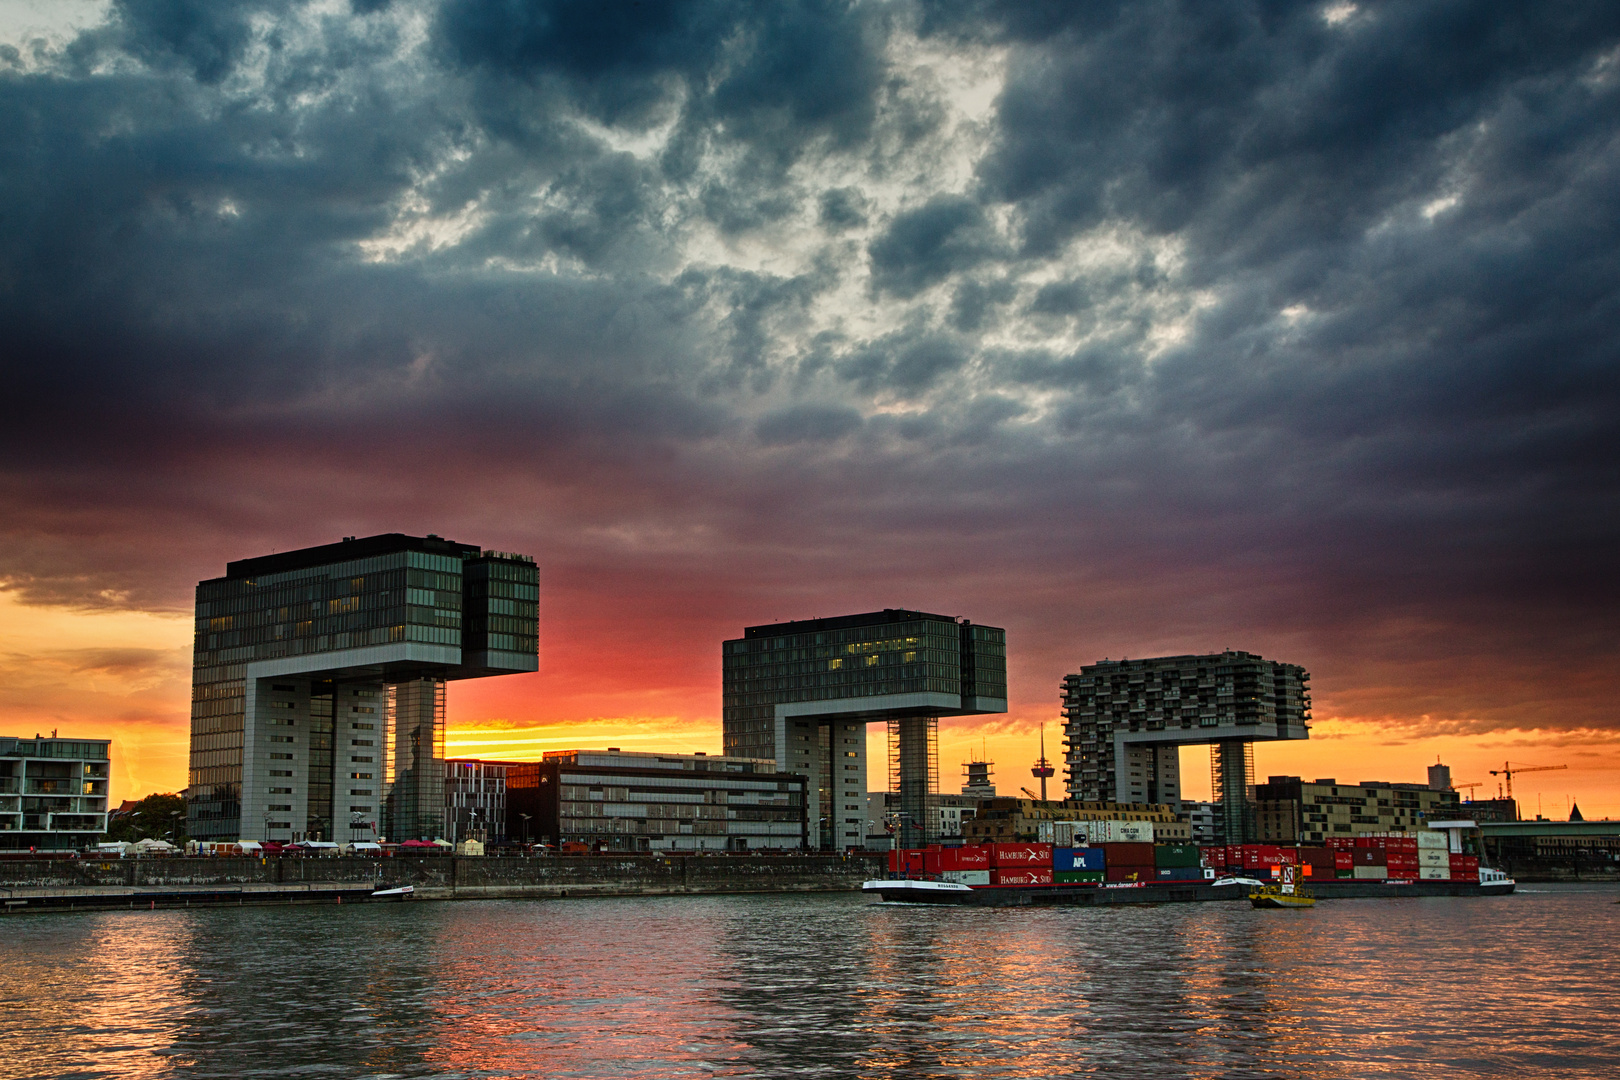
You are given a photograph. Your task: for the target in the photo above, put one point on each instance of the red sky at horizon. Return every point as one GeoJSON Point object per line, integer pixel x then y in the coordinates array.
{"type": "Point", "coordinates": [92, 674]}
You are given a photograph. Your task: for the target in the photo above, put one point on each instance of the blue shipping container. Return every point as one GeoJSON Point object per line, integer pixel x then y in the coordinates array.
{"type": "Point", "coordinates": [1080, 858]}
{"type": "Point", "coordinates": [1180, 873]}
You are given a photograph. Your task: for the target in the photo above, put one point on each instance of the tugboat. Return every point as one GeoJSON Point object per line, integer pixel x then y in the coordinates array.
{"type": "Point", "coordinates": [1283, 895]}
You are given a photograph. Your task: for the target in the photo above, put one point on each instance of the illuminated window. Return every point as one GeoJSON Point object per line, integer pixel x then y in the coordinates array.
{"type": "Point", "coordinates": [871, 661]}
{"type": "Point", "coordinates": [835, 663]}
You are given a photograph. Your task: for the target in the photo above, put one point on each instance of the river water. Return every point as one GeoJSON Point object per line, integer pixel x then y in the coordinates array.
{"type": "Point", "coordinates": [819, 986]}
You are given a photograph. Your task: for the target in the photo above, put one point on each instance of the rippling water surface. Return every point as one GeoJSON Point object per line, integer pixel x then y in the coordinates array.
{"type": "Point", "coordinates": [819, 986]}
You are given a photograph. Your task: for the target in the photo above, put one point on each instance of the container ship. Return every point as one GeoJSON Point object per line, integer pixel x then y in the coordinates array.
{"type": "Point", "coordinates": [1022, 874]}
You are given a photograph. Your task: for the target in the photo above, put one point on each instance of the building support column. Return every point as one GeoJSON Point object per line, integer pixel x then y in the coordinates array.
{"type": "Point", "coordinates": [1232, 790]}
{"type": "Point", "coordinates": [415, 759]}
{"type": "Point", "coordinates": [914, 775]}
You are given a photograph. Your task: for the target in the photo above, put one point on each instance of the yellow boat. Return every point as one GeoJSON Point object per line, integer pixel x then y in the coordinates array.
{"type": "Point", "coordinates": [1283, 895]}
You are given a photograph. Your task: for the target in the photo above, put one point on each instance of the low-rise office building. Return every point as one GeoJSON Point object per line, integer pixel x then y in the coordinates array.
{"type": "Point", "coordinates": [1008, 820]}
{"type": "Point", "coordinates": [475, 800]}
{"type": "Point", "coordinates": [53, 792]}
{"type": "Point", "coordinates": [1289, 810]}
{"type": "Point", "coordinates": [1578, 847]}
{"type": "Point", "coordinates": [616, 801]}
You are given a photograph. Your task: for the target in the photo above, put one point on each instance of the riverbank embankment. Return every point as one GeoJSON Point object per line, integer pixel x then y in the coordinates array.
{"type": "Point", "coordinates": [34, 884]}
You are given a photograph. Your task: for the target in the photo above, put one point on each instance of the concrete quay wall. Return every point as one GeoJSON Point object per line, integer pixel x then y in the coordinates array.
{"type": "Point", "coordinates": [435, 877]}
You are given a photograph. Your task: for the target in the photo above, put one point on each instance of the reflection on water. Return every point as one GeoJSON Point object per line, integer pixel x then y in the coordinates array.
{"type": "Point", "coordinates": [818, 986]}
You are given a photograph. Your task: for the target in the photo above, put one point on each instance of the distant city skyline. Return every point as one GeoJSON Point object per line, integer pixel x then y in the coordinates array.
{"type": "Point", "coordinates": [1141, 330]}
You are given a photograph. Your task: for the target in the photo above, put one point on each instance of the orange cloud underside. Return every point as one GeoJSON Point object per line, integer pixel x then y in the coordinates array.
{"type": "Point", "coordinates": [126, 675]}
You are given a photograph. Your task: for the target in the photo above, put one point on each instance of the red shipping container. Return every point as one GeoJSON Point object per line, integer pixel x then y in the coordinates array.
{"type": "Point", "coordinates": [1370, 856]}
{"type": "Point", "coordinates": [1128, 855]}
{"type": "Point", "coordinates": [931, 865]}
{"type": "Point", "coordinates": [1131, 873]}
{"type": "Point", "coordinates": [1021, 875]}
{"type": "Point", "coordinates": [1344, 860]}
{"type": "Point", "coordinates": [1319, 857]}
{"type": "Point", "coordinates": [1027, 855]}
{"type": "Point", "coordinates": [1260, 856]}
{"type": "Point", "coordinates": [1213, 856]}
{"type": "Point", "coordinates": [1341, 843]}
{"type": "Point", "coordinates": [964, 858]}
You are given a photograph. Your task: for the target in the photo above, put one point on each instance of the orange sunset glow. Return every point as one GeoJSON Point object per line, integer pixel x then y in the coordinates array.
{"type": "Point", "coordinates": [127, 675]}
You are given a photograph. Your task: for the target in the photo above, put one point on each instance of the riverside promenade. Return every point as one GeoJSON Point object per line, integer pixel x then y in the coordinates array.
{"type": "Point", "coordinates": [151, 883]}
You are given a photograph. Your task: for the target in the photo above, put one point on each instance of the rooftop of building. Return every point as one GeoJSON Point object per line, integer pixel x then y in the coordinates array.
{"type": "Point", "coordinates": [364, 547]}
{"type": "Point", "coordinates": [845, 622]}
{"type": "Point", "coordinates": [49, 746]}
{"type": "Point", "coordinates": [1188, 658]}
{"type": "Point", "coordinates": [1328, 781]}
{"type": "Point", "coordinates": [613, 757]}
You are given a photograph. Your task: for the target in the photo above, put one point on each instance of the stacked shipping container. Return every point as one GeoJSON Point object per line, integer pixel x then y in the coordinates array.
{"type": "Point", "coordinates": [1371, 858]}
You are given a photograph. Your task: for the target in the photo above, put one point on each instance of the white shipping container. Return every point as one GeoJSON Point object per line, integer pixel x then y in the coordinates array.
{"type": "Point", "coordinates": [1431, 838]}
{"type": "Point", "coordinates": [1130, 832]}
{"type": "Point", "coordinates": [1370, 873]}
{"type": "Point", "coordinates": [1096, 832]}
{"type": "Point", "coordinates": [966, 877]}
{"type": "Point", "coordinates": [1434, 873]}
{"type": "Point", "coordinates": [1434, 857]}
{"type": "Point", "coordinates": [1061, 833]}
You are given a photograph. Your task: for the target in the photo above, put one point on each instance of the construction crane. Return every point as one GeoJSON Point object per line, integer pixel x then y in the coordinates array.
{"type": "Point", "coordinates": [1508, 769]}
{"type": "Point", "coordinates": [1469, 787]}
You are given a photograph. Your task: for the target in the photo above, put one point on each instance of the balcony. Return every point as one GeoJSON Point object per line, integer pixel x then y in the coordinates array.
{"type": "Point", "coordinates": [8, 785]}
{"type": "Point", "coordinates": [50, 787]}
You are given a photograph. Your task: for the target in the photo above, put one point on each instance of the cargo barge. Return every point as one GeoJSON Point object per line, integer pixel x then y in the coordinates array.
{"type": "Point", "coordinates": [1036, 874]}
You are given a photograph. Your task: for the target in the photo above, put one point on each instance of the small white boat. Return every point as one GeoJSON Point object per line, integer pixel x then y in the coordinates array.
{"type": "Point", "coordinates": [403, 892]}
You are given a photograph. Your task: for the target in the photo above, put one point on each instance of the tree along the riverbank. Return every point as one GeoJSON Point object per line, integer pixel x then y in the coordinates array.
{"type": "Point", "coordinates": [156, 817]}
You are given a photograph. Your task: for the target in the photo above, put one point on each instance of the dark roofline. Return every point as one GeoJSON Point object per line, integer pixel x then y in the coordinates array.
{"type": "Point", "coordinates": [845, 622]}
{"type": "Point", "coordinates": [363, 548]}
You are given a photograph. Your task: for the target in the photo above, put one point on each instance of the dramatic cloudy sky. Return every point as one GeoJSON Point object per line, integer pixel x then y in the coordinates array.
{"type": "Point", "coordinates": [1135, 329]}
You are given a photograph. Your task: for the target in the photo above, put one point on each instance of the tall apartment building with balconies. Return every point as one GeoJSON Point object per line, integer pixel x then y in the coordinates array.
{"type": "Point", "coordinates": [1125, 722]}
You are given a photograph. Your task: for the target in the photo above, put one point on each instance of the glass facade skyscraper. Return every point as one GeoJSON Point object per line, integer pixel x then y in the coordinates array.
{"type": "Point", "coordinates": [318, 682]}
{"type": "Point", "coordinates": [801, 694]}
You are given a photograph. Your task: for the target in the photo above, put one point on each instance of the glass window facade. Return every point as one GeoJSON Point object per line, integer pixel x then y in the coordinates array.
{"type": "Point", "coordinates": [315, 608]}
{"type": "Point", "coordinates": [819, 660]}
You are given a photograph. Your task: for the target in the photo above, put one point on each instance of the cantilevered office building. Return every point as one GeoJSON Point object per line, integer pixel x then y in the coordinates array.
{"type": "Point", "coordinates": [318, 683]}
{"type": "Point", "coordinates": [802, 693]}
{"type": "Point", "coordinates": [1126, 720]}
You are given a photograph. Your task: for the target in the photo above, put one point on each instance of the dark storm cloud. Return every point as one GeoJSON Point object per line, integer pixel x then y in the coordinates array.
{"type": "Point", "coordinates": [807, 423]}
{"type": "Point", "coordinates": [1293, 325]}
{"type": "Point", "coordinates": [925, 246]}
